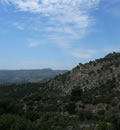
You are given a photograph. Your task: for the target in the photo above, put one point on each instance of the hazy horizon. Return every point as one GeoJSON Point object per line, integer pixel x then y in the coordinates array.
{"type": "Point", "coordinates": [12, 69]}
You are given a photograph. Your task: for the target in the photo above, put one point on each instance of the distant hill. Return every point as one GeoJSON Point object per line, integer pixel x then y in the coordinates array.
{"type": "Point", "coordinates": [21, 76]}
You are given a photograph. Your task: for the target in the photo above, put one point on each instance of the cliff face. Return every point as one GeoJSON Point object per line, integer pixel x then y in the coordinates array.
{"type": "Point", "coordinates": [91, 75]}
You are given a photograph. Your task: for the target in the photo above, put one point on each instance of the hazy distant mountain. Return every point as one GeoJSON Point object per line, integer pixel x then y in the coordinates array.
{"type": "Point", "coordinates": [11, 76]}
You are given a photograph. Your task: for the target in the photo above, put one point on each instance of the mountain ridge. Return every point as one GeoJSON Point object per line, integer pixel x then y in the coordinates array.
{"type": "Point", "coordinates": [29, 75]}
{"type": "Point", "coordinates": [91, 74]}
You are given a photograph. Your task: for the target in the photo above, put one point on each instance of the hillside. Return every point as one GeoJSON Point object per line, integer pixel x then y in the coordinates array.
{"type": "Point", "coordinates": [91, 75]}
{"type": "Point", "coordinates": [19, 76]}
{"type": "Point", "coordinates": [86, 98]}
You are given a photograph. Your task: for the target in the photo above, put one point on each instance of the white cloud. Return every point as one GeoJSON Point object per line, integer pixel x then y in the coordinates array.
{"type": "Point", "coordinates": [48, 6]}
{"type": "Point", "coordinates": [71, 13]}
{"type": "Point", "coordinates": [111, 49]}
{"type": "Point", "coordinates": [62, 22]}
{"type": "Point", "coordinates": [19, 26]}
{"type": "Point", "coordinates": [92, 53]}
{"type": "Point", "coordinates": [83, 53]}
{"type": "Point", "coordinates": [33, 42]}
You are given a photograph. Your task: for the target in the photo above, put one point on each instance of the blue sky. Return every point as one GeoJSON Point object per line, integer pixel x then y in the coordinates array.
{"type": "Point", "coordinates": [57, 34]}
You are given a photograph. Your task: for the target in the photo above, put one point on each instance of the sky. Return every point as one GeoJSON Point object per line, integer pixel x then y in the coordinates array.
{"type": "Point", "coordinates": [57, 34]}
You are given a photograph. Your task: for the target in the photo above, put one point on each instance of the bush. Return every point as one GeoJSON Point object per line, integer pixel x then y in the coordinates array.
{"type": "Point", "coordinates": [32, 115]}
{"type": "Point", "coordinates": [71, 108]}
{"type": "Point", "coordinates": [76, 94]}
{"type": "Point", "coordinates": [9, 106]}
{"type": "Point", "coordinates": [85, 115]}
{"type": "Point", "coordinates": [113, 116]}
{"type": "Point", "coordinates": [102, 126]}
{"type": "Point", "coordinates": [13, 122]}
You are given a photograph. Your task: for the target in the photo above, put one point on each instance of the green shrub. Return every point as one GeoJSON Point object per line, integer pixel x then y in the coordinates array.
{"type": "Point", "coordinates": [71, 108]}
{"type": "Point", "coordinates": [102, 126]}
{"type": "Point", "coordinates": [32, 115]}
{"type": "Point", "coordinates": [9, 106]}
{"type": "Point", "coordinates": [76, 94]}
{"type": "Point", "coordinates": [13, 122]}
{"type": "Point", "coordinates": [113, 116]}
{"type": "Point", "coordinates": [85, 115]}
